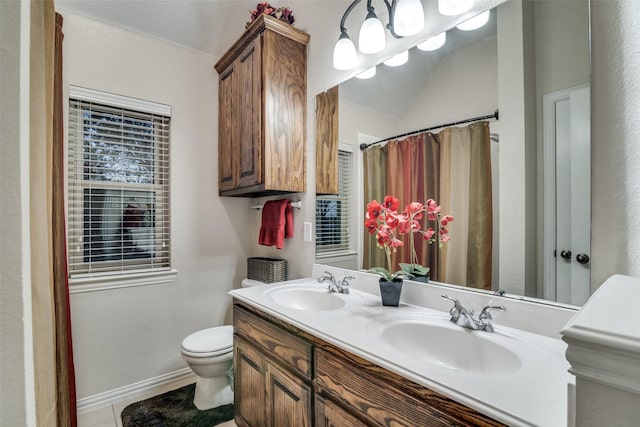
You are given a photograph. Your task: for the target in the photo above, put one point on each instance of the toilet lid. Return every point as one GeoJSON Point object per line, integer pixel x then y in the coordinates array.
{"type": "Point", "coordinates": [209, 340]}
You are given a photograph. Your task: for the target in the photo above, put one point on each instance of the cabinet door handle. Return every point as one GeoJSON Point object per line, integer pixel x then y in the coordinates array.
{"type": "Point", "coordinates": [565, 254]}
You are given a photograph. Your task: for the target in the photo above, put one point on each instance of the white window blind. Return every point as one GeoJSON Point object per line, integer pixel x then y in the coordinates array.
{"type": "Point", "coordinates": [118, 191]}
{"type": "Point", "coordinates": [333, 213]}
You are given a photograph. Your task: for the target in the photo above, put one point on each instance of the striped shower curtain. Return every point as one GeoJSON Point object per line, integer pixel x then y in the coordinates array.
{"type": "Point", "coordinates": [452, 167]}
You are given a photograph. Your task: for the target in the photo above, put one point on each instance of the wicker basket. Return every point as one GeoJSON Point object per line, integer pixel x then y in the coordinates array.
{"type": "Point", "coordinates": [268, 270]}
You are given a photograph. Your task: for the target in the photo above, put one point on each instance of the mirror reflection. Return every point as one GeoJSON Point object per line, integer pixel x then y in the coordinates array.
{"type": "Point", "coordinates": [530, 62]}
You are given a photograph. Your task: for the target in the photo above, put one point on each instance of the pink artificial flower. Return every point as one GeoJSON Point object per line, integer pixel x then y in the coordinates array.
{"type": "Point", "coordinates": [371, 224]}
{"type": "Point", "coordinates": [429, 233]}
{"type": "Point", "coordinates": [391, 203]}
{"type": "Point", "coordinates": [392, 220]}
{"type": "Point", "coordinates": [446, 219]}
{"type": "Point", "coordinates": [395, 243]}
{"type": "Point", "coordinates": [374, 209]}
{"type": "Point", "coordinates": [414, 209]}
{"type": "Point", "coordinates": [433, 209]}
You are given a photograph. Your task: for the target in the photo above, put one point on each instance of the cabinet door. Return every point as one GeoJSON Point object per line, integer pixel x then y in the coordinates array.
{"type": "Point", "coordinates": [226, 130]}
{"type": "Point", "coordinates": [328, 414]}
{"type": "Point", "coordinates": [288, 399]}
{"type": "Point", "coordinates": [249, 108]}
{"type": "Point", "coordinates": [249, 390]}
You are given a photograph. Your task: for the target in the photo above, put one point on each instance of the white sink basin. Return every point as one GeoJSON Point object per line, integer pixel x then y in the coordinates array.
{"type": "Point", "coordinates": [439, 342]}
{"type": "Point", "coordinates": [306, 298]}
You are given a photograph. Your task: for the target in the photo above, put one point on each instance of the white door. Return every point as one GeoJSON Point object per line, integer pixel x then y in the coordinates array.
{"type": "Point", "coordinates": [567, 222]}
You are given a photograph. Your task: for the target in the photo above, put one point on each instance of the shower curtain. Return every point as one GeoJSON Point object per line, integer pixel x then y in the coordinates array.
{"type": "Point", "coordinates": [452, 167]}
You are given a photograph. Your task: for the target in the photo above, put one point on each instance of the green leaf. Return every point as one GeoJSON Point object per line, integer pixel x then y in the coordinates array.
{"type": "Point", "coordinates": [414, 269]}
{"type": "Point", "coordinates": [383, 272]}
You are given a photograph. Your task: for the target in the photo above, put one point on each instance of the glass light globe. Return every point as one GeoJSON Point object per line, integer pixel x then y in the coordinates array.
{"type": "Point", "coordinates": [475, 22]}
{"type": "Point", "coordinates": [345, 56]}
{"type": "Point", "coordinates": [397, 60]}
{"type": "Point", "coordinates": [433, 43]}
{"type": "Point", "coordinates": [367, 74]}
{"type": "Point", "coordinates": [372, 38]}
{"type": "Point", "coordinates": [408, 18]}
{"type": "Point", "coordinates": [454, 7]}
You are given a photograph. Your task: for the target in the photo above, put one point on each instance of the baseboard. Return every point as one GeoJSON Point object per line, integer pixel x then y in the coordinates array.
{"type": "Point", "coordinates": [137, 391]}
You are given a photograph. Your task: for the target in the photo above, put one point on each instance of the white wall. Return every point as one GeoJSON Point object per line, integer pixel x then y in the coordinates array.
{"type": "Point", "coordinates": [455, 89]}
{"type": "Point", "coordinates": [17, 388]}
{"type": "Point", "coordinates": [123, 336]}
{"type": "Point", "coordinates": [615, 194]}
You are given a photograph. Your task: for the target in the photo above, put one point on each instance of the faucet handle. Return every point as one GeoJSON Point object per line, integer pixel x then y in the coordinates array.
{"type": "Point", "coordinates": [484, 314]}
{"type": "Point", "coordinates": [345, 281]}
{"type": "Point", "coordinates": [457, 307]}
{"type": "Point", "coordinates": [328, 273]}
{"type": "Point", "coordinates": [455, 301]}
{"type": "Point", "coordinates": [485, 317]}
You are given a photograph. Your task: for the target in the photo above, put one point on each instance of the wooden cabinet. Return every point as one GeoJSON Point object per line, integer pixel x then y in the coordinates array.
{"type": "Point", "coordinates": [327, 115]}
{"type": "Point", "coordinates": [262, 111]}
{"type": "Point", "coordinates": [272, 374]}
{"type": "Point", "coordinates": [286, 377]}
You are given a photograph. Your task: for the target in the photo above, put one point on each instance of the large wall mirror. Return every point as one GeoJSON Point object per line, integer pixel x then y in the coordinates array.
{"type": "Point", "coordinates": [531, 62]}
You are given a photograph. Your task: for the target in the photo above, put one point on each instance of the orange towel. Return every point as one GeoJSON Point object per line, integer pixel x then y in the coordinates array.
{"type": "Point", "coordinates": [277, 223]}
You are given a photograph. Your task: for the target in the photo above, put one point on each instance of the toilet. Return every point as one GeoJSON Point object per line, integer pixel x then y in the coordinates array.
{"type": "Point", "coordinates": [209, 354]}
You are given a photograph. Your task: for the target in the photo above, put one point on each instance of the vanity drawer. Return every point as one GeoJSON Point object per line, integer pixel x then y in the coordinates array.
{"type": "Point", "coordinates": [292, 351]}
{"type": "Point", "coordinates": [384, 398]}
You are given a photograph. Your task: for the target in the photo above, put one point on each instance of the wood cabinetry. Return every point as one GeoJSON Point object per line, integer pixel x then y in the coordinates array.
{"type": "Point", "coordinates": [272, 374]}
{"type": "Point", "coordinates": [277, 385]}
{"type": "Point", "coordinates": [327, 116]}
{"type": "Point", "coordinates": [262, 111]}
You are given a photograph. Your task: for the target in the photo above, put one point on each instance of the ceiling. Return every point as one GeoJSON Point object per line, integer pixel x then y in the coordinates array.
{"type": "Point", "coordinates": [209, 26]}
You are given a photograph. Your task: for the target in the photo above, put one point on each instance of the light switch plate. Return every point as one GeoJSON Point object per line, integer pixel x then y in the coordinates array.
{"type": "Point", "coordinates": [308, 228]}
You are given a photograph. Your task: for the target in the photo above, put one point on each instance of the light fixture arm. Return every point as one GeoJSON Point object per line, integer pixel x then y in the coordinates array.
{"type": "Point", "coordinates": [346, 13]}
{"type": "Point", "coordinates": [391, 8]}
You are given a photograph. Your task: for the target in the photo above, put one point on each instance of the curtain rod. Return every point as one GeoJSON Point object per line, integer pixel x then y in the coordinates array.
{"type": "Point", "coordinates": [495, 115]}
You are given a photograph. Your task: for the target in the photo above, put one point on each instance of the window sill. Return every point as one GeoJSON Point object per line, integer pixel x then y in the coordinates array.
{"type": "Point", "coordinates": [337, 256]}
{"type": "Point", "coordinates": [102, 283]}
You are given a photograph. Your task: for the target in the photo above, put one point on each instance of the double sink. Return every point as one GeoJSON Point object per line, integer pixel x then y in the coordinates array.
{"type": "Point", "coordinates": [430, 339]}
{"type": "Point", "coordinates": [513, 375]}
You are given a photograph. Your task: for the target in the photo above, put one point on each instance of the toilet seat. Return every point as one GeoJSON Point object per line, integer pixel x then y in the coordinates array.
{"type": "Point", "coordinates": [209, 342]}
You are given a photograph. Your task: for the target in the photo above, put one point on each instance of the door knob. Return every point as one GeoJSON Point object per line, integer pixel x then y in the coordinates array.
{"type": "Point", "coordinates": [565, 254]}
{"type": "Point", "coordinates": [582, 258]}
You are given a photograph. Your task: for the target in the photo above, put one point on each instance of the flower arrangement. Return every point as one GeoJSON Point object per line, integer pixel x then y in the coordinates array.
{"type": "Point", "coordinates": [383, 220]}
{"type": "Point", "coordinates": [282, 13]}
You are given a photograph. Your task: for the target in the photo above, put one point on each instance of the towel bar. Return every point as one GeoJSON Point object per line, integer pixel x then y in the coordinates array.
{"type": "Point", "coordinates": [297, 204]}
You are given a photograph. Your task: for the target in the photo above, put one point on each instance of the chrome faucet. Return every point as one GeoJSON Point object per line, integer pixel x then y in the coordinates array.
{"type": "Point", "coordinates": [334, 286]}
{"type": "Point", "coordinates": [463, 317]}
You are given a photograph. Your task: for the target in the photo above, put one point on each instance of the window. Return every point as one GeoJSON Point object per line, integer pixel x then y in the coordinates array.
{"type": "Point", "coordinates": [118, 182]}
{"type": "Point", "coordinates": [333, 213]}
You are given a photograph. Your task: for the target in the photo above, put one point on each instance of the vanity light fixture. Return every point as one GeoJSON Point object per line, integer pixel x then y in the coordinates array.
{"type": "Point", "coordinates": [398, 59]}
{"type": "Point", "coordinates": [345, 56]}
{"type": "Point", "coordinates": [367, 74]}
{"type": "Point", "coordinates": [475, 22]}
{"type": "Point", "coordinates": [372, 37]}
{"type": "Point", "coordinates": [406, 17]}
{"type": "Point", "coordinates": [433, 43]}
{"type": "Point", "coordinates": [454, 7]}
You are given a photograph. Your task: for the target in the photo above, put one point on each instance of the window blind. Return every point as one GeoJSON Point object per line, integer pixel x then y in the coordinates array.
{"type": "Point", "coordinates": [118, 189]}
{"type": "Point", "coordinates": [333, 212]}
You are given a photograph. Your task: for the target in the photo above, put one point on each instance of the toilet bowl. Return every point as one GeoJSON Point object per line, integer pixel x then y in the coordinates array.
{"type": "Point", "coordinates": [209, 354]}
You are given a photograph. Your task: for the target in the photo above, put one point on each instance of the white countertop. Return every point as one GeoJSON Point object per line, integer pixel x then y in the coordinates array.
{"type": "Point", "coordinates": [535, 393]}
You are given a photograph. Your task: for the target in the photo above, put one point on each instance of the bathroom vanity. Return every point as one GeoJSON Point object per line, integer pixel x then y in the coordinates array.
{"type": "Point", "coordinates": [283, 374]}
{"type": "Point", "coordinates": [306, 357]}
